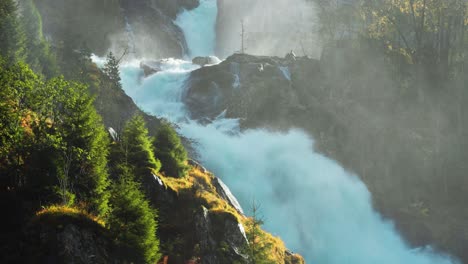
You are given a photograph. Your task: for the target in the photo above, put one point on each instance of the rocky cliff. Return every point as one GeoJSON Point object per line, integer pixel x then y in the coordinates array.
{"type": "Point", "coordinates": [357, 117]}
{"type": "Point", "coordinates": [61, 236]}
{"type": "Point", "coordinates": [199, 222]}
{"type": "Point", "coordinates": [143, 27]}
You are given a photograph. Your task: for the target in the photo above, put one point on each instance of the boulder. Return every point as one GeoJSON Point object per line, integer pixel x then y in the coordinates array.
{"type": "Point", "coordinates": [202, 61]}
{"type": "Point", "coordinates": [215, 231]}
{"type": "Point", "coordinates": [150, 68]}
{"type": "Point", "coordinates": [247, 87]}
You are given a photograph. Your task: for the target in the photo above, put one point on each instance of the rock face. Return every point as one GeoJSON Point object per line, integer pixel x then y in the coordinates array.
{"type": "Point", "coordinates": [354, 121]}
{"type": "Point", "coordinates": [144, 27]}
{"type": "Point", "coordinates": [198, 222]}
{"type": "Point", "coordinates": [215, 230]}
{"type": "Point", "coordinates": [216, 237]}
{"type": "Point", "coordinates": [116, 108]}
{"type": "Point", "coordinates": [81, 21]}
{"type": "Point", "coordinates": [153, 31]}
{"type": "Point", "coordinates": [236, 84]}
{"type": "Point", "coordinates": [67, 241]}
{"type": "Point", "coordinates": [226, 194]}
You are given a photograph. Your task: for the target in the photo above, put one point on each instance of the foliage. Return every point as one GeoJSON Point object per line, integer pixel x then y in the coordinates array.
{"type": "Point", "coordinates": [133, 222]}
{"type": "Point", "coordinates": [431, 34]}
{"type": "Point", "coordinates": [12, 38]}
{"type": "Point", "coordinates": [112, 72]}
{"type": "Point", "coordinates": [426, 31]}
{"type": "Point", "coordinates": [82, 141]}
{"type": "Point", "coordinates": [258, 248]}
{"type": "Point", "coordinates": [53, 137]}
{"type": "Point", "coordinates": [16, 93]}
{"type": "Point", "coordinates": [38, 54]}
{"type": "Point", "coordinates": [137, 149]}
{"type": "Point", "coordinates": [170, 151]}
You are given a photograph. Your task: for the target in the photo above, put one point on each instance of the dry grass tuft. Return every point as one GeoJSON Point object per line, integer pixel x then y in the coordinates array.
{"type": "Point", "coordinates": [73, 212]}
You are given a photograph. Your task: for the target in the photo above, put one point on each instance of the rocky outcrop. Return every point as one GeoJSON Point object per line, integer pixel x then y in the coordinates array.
{"type": "Point", "coordinates": [154, 33]}
{"type": "Point", "coordinates": [219, 231]}
{"type": "Point", "coordinates": [202, 61]}
{"type": "Point", "coordinates": [150, 68]}
{"type": "Point", "coordinates": [78, 22]}
{"type": "Point", "coordinates": [142, 27]}
{"type": "Point", "coordinates": [237, 83]}
{"type": "Point", "coordinates": [116, 108]}
{"type": "Point", "coordinates": [215, 237]}
{"type": "Point", "coordinates": [197, 221]}
{"type": "Point", "coordinates": [64, 239]}
{"type": "Point", "coordinates": [225, 193]}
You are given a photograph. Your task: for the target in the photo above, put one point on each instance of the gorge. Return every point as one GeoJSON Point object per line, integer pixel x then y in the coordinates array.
{"type": "Point", "coordinates": [319, 209]}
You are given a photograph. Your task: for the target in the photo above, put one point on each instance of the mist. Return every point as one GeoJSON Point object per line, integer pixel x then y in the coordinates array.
{"type": "Point", "coordinates": [198, 28]}
{"type": "Point", "coordinates": [272, 27]}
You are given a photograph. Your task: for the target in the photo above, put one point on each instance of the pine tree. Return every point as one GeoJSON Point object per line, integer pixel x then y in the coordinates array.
{"type": "Point", "coordinates": [12, 38]}
{"type": "Point", "coordinates": [82, 142]}
{"type": "Point", "coordinates": [111, 71]}
{"type": "Point", "coordinates": [38, 54]}
{"type": "Point", "coordinates": [138, 150]}
{"type": "Point", "coordinates": [170, 151]}
{"type": "Point", "coordinates": [258, 248]}
{"type": "Point", "coordinates": [132, 221]}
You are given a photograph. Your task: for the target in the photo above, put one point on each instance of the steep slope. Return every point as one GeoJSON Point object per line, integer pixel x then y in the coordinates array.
{"type": "Point", "coordinates": [198, 222]}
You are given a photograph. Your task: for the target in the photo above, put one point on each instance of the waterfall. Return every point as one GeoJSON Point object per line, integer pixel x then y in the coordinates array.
{"type": "Point", "coordinates": [318, 209]}
{"type": "Point", "coordinates": [198, 26]}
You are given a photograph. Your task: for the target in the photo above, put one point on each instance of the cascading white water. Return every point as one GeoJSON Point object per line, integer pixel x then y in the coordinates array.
{"type": "Point", "coordinates": [198, 28]}
{"type": "Point", "coordinates": [316, 207]}
{"type": "Point", "coordinates": [130, 37]}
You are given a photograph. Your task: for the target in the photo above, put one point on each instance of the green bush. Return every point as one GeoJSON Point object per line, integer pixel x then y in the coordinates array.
{"type": "Point", "coordinates": [170, 151]}
{"type": "Point", "coordinates": [137, 149]}
{"type": "Point", "coordinates": [133, 222]}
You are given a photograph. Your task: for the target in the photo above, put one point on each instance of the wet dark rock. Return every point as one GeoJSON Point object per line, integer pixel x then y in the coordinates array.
{"type": "Point", "coordinates": [173, 7]}
{"type": "Point", "coordinates": [225, 193]}
{"type": "Point", "coordinates": [202, 61]}
{"type": "Point", "coordinates": [150, 68]}
{"type": "Point", "coordinates": [65, 240]}
{"type": "Point", "coordinates": [247, 87]}
{"type": "Point", "coordinates": [220, 230]}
